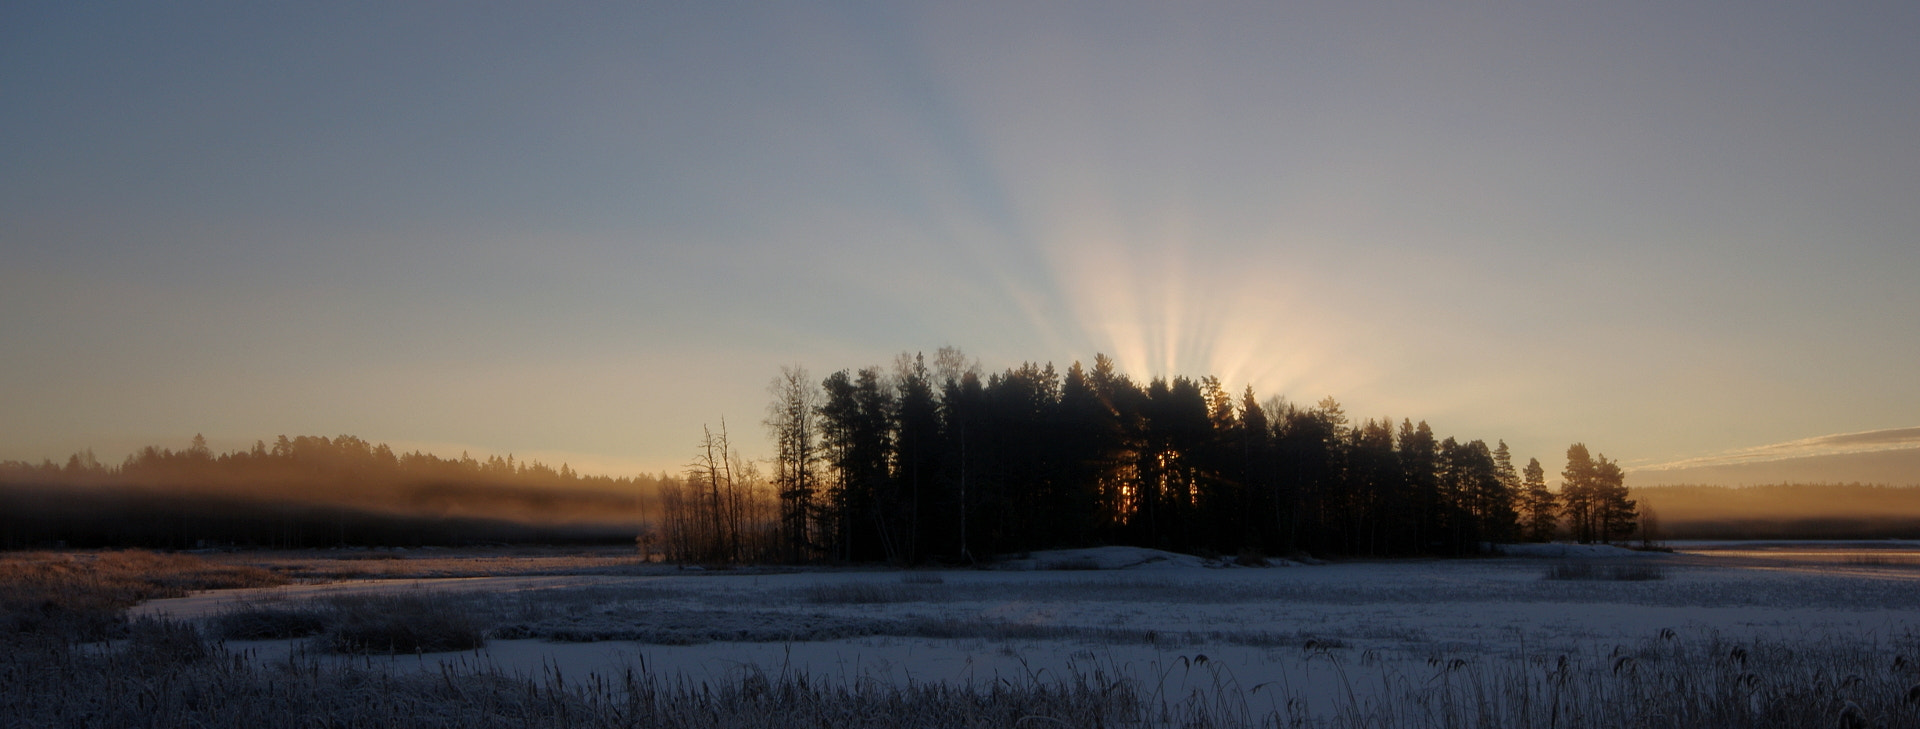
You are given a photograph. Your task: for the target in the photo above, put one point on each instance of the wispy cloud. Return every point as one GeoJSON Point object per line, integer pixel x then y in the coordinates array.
{"type": "Point", "coordinates": [1868, 441]}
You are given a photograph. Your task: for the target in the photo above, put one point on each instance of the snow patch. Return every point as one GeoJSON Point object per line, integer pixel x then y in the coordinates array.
{"type": "Point", "coordinates": [1567, 551]}
{"type": "Point", "coordinates": [1109, 558]}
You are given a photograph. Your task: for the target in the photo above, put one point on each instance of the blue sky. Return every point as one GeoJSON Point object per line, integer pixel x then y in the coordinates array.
{"type": "Point", "coordinates": [579, 232]}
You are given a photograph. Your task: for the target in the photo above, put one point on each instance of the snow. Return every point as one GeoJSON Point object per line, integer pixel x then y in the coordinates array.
{"type": "Point", "coordinates": [1180, 620]}
{"type": "Point", "coordinates": [1107, 558]}
{"type": "Point", "coordinates": [1566, 551]}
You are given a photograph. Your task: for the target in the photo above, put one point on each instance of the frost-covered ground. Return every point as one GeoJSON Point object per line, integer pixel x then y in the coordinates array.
{"type": "Point", "coordinates": [1177, 622]}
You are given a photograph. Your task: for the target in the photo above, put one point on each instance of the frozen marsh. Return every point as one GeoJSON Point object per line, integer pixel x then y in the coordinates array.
{"type": "Point", "coordinates": [1287, 644]}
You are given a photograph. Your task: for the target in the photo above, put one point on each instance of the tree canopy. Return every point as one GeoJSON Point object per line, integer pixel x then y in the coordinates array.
{"type": "Point", "coordinates": [919, 463]}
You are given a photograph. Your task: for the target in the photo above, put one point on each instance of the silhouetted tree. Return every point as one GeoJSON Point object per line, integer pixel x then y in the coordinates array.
{"type": "Point", "coordinates": [1614, 512]}
{"type": "Point", "coordinates": [1540, 511]}
{"type": "Point", "coordinates": [1420, 463]}
{"type": "Point", "coordinates": [939, 462]}
{"type": "Point", "coordinates": [796, 462]}
{"type": "Point", "coordinates": [917, 442]}
{"type": "Point", "coordinates": [857, 428]}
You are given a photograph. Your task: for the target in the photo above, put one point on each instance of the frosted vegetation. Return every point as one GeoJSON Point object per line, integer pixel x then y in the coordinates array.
{"type": "Point", "coordinates": [1550, 635]}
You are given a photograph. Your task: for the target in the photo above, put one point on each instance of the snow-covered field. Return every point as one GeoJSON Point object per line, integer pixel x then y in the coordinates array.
{"type": "Point", "coordinates": [1291, 631]}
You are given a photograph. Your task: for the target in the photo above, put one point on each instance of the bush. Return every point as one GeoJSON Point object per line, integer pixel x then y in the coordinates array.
{"type": "Point", "coordinates": [407, 623]}
{"type": "Point", "coordinates": [255, 621]}
{"type": "Point", "coordinates": [1075, 563]}
{"type": "Point", "coordinates": [1631, 572]}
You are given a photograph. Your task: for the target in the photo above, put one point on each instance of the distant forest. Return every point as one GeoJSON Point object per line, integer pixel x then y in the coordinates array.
{"type": "Point", "coordinates": [309, 491]}
{"type": "Point", "coordinates": [936, 462]}
{"type": "Point", "coordinates": [1785, 511]}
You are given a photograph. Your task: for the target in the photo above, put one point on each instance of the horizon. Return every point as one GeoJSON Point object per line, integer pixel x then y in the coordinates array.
{"type": "Point", "coordinates": [1798, 462]}
{"type": "Point", "coordinates": [1675, 234]}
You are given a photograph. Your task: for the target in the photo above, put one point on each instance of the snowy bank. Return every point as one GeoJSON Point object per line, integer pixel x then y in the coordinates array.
{"type": "Point", "coordinates": [1567, 551]}
{"type": "Point", "coordinates": [1114, 558]}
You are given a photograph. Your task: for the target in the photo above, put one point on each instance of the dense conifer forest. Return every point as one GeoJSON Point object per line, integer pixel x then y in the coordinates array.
{"type": "Point", "coordinates": [939, 462]}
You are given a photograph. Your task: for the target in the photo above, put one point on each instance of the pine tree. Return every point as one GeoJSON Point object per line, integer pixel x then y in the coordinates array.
{"type": "Point", "coordinates": [1420, 462]}
{"type": "Point", "coordinates": [1579, 500]}
{"type": "Point", "coordinates": [1613, 511]}
{"type": "Point", "coordinates": [1539, 507]}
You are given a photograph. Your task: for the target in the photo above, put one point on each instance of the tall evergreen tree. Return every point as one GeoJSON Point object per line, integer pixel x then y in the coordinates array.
{"type": "Point", "coordinates": [1540, 511]}
{"type": "Point", "coordinates": [1490, 499]}
{"type": "Point", "coordinates": [917, 462]}
{"type": "Point", "coordinates": [1613, 511]}
{"type": "Point", "coordinates": [856, 420]}
{"type": "Point", "coordinates": [1503, 468]}
{"type": "Point", "coordinates": [1579, 497]}
{"type": "Point", "coordinates": [1420, 463]}
{"type": "Point", "coordinates": [1253, 440]}
{"type": "Point", "coordinates": [1376, 488]}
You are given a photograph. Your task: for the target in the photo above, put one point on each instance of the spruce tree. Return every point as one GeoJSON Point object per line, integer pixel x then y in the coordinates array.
{"type": "Point", "coordinates": [1541, 509]}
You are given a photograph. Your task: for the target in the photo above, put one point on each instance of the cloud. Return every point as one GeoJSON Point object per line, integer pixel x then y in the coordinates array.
{"type": "Point", "coordinates": [1869, 441]}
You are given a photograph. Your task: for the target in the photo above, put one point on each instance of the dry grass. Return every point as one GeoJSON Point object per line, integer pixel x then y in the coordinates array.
{"type": "Point", "coordinates": [1664, 682]}
{"type": "Point", "coordinates": [87, 593]}
{"type": "Point", "coordinates": [865, 593]}
{"type": "Point", "coordinates": [165, 674]}
{"type": "Point", "coordinates": [419, 622]}
{"type": "Point", "coordinates": [1072, 564]}
{"type": "Point", "coordinates": [211, 687]}
{"type": "Point", "coordinates": [1629, 572]}
{"type": "Point", "coordinates": [423, 622]}
{"type": "Point", "coordinates": [427, 563]}
{"type": "Point", "coordinates": [269, 621]}
{"type": "Point", "coordinates": [160, 673]}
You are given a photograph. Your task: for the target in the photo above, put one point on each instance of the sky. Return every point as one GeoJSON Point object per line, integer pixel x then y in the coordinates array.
{"type": "Point", "coordinates": [580, 232]}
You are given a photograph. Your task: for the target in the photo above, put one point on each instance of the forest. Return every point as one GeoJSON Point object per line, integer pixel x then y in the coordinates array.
{"type": "Point", "coordinates": [938, 462]}
{"type": "Point", "coordinates": [1785, 511]}
{"type": "Point", "coordinates": [309, 491]}
{"type": "Point", "coordinates": [923, 462]}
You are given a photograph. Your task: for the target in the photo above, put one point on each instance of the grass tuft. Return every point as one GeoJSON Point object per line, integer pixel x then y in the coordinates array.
{"type": "Point", "coordinates": [862, 593]}
{"type": "Point", "coordinates": [85, 595]}
{"type": "Point", "coordinates": [406, 623]}
{"type": "Point", "coordinates": [1072, 564]}
{"type": "Point", "coordinates": [263, 621]}
{"type": "Point", "coordinates": [1633, 572]}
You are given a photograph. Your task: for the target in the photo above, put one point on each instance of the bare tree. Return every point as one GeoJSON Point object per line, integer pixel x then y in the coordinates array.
{"type": "Point", "coordinates": [796, 462]}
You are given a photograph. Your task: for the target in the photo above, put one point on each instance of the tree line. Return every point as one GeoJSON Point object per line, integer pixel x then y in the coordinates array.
{"type": "Point", "coordinates": [936, 461]}
{"type": "Point", "coordinates": [310, 491]}
{"type": "Point", "coordinates": [1784, 510]}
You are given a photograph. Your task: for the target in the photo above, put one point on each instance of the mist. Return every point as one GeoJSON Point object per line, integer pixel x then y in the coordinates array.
{"type": "Point", "coordinates": [1783, 511]}
{"type": "Point", "coordinates": [312, 491]}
